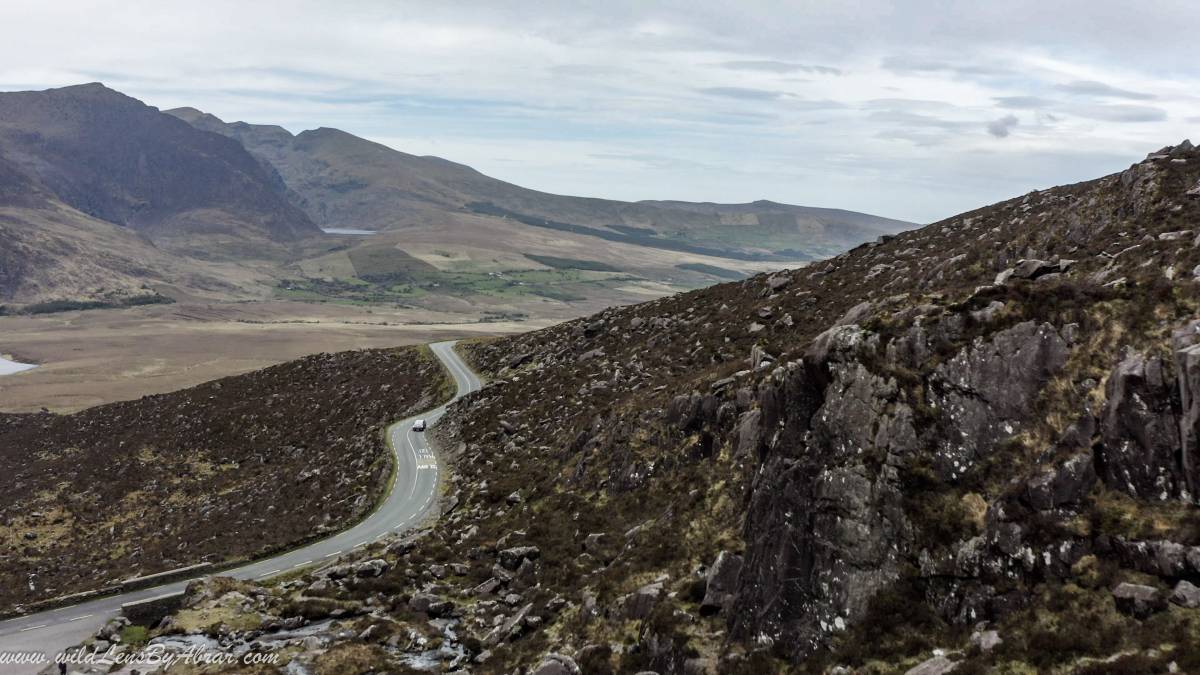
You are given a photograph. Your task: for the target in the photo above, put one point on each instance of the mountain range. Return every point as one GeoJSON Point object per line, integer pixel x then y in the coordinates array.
{"type": "Point", "coordinates": [348, 182]}
{"type": "Point", "coordinates": [104, 197]}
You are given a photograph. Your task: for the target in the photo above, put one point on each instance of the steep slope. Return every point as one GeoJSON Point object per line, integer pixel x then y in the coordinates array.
{"type": "Point", "coordinates": [116, 159]}
{"type": "Point", "coordinates": [346, 181]}
{"type": "Point", "coordinates": [52, 252]}
{"type": "Point", "coordinates": [978, 437]}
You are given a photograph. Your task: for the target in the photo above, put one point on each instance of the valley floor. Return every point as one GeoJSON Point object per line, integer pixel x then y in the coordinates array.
{"type": "Point", "coordinates": [93, 357]}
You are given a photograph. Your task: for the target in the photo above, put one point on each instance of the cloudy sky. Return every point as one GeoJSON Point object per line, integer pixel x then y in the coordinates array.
{"type": "Point", "coordinates": [915, 110]}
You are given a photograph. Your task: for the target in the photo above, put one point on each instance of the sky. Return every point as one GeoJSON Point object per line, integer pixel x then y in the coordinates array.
{"type": "Point", "coordinates": [915, 110]}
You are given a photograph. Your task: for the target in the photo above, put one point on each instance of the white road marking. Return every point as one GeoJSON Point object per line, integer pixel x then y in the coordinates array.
{"type": "Point", "coordinates": [270, 573]}
{"type": "Point", "coordinates": [81, 618]}
{"type": "Point", "coordinates": [306, 562]}
{"type": "Point", "coordinates": [25, 630]}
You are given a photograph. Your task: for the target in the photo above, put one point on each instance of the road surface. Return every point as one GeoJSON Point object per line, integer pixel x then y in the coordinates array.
{"type": "Point", "coordinates": [413, 495]}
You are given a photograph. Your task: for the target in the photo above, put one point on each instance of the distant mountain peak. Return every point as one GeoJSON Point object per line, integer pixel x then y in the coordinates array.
{"type": "Point", "coordinates": [115, 158]}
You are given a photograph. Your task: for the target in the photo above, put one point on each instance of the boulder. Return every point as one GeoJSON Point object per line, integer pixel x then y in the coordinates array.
{"type": "Point", "coordinates": [1032, 269]}
{"type": "Point", "coordinates": [1186, 595]}
{"type": "Point", "coordinates": [1160, 558]}
{"type": "Point", "coordinates": [592, 354]}
{"type": "Point", "coordinates": [526, 576]}
{"type": "Point", "coordinates": [722, 581]}
{"type": "Point", "coordinates": [986, 640]}
{"type": "Point", "coordinates": [371, 568]}
{"type": "Point", "coordinates": [640, 603]}
{"type": "Point", "coordinates": [938, 665]}
{"type": "Point", "coordinates": [1138, 600]}
{"type": "Point", "coordinates": [421, 602]}
{"type": "Point", "coordinates": [510, 558]}
{"type": "Point", "coordinates": [487, 587]}
{"type": "Point", "coordinates": [855, 314]}
{"type": "Point", "coordinates": [514, 627]}
{"type": "Point", "coordinates": [520, 360]}
{"type": "Point", "coordinates": [1174, 236]}
{"type": "Point", "coordinates": [557, 664]}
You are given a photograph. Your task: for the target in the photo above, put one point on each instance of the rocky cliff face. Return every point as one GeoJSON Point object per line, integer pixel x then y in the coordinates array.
{"type": "Point", "coordinates": [978, 437]}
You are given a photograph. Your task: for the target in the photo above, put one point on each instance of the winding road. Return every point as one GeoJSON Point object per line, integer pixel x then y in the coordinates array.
{"type": "Point", "coordinates": [413, 495]}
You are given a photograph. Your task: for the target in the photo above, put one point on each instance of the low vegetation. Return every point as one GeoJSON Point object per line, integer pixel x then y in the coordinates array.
{"type": "Point", "coordinates": [166, 481]}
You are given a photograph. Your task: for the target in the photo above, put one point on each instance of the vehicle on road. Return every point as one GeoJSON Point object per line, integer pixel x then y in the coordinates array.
{"type": "Point", "coordinates": [419, 425]}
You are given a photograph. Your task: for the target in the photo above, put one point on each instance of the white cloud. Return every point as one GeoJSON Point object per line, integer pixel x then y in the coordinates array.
{"type": "Point", "coordinates": [866, 104]}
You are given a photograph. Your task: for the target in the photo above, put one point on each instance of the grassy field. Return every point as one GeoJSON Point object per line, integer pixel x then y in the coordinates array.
{"type": "Point", "coordinates": [89, 358]}
{"type": "Point", "coordinates": [564, 284]}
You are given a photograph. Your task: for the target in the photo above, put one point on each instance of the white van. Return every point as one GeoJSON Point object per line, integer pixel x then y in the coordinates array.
{"type": "Point", "coordinates": [419, 425]}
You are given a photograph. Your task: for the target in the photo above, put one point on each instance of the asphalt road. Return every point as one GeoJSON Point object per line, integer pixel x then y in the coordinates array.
{"type": "Point", "coordinates": [412, 498]}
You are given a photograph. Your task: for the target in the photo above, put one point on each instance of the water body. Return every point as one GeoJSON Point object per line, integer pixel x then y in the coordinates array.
{"type": "Point", "coordinates": [347, 230]}
{"type": "Point", "coordinates": [9, 367]}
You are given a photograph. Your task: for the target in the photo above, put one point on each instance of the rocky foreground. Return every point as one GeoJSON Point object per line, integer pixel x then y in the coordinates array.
{"type": "Point", "coordinates": [228, 470]}
{"type": "Point", "coordinates": [967, 448]}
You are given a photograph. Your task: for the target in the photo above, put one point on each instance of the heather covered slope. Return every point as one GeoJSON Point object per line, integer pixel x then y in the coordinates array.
{"type": "Point", "coordinates": [977, 437]}
{"type": "Point", "coordinates": [228, 470]}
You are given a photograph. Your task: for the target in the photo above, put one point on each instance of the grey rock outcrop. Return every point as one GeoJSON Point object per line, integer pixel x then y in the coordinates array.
{"type": "Point", "coordinates": [1186, 342]}
{"type": "Point", "coordinates": [938, 665]}
{"type": "Point", "coordinates": [721, 583]}
{"type": "Point", "coordinates": [1140, 430]}
{"type": "Point", "coordinates": [1186, 594]}
{"type": "Point", "coordinates": [639, 604]}
{"type": "Point", "coordinates": [557, 664]}
{"type": "Point", "coordinates": [985, 391]}
{"type": "Point", "coordinates": [510, 558]}
{"type": "Point", "coordinates": [1064, 485]}
{"type": "Point", "coordinates": [827, 526]}
{"type": "Point", "coordinates": [1138, 600]}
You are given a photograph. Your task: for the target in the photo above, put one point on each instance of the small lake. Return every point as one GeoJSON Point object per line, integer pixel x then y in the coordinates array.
{"type": "Point", "coordinates": [9, 367]}
{"type": "Point", "coordinates": [347, 230]}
